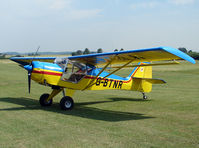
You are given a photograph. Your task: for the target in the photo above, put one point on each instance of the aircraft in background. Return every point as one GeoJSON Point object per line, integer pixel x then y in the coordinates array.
{"type": "Point", "coordinates": [87, 72]}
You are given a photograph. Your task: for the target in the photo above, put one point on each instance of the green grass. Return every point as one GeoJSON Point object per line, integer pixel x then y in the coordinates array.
{"type": "Point", "coordinates": [119, 119]}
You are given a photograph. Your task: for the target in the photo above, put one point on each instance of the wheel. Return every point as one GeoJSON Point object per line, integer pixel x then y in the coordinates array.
{"type": "Point", "coordinates": [66, 103]}
{"type": "Point", "coordinates": [144, 97]}
{"type": "Point", "coordinates": [43, 100]}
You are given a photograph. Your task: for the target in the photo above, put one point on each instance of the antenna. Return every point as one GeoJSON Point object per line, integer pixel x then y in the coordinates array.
{"type": "Point", "coordinates": [37, 51]}
{"type": "Point", "coordinates": [35, 54]}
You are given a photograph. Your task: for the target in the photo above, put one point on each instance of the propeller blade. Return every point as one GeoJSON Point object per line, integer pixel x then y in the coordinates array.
{"type": "Point", "coordinates": [30, 68]}
{"type": "Point", "coordinates": [29, 81]}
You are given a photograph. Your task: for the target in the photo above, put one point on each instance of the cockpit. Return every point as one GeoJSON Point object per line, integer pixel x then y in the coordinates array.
{"type": "Point", "coordinates": [73, 71]}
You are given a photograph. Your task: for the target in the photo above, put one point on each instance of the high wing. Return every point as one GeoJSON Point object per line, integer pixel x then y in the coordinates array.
{"type": "Point", "coordinates": [133, 56]}
{"type": "Point", "coordinates": [120, 57]}
{"type": "Point", "coordinates": [27, 60]}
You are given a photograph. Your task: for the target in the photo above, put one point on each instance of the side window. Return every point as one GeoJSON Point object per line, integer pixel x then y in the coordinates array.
{"type": "Point", "coordinates": [74, 72]}
{"type": "Point", "coordinates": [67, 71]}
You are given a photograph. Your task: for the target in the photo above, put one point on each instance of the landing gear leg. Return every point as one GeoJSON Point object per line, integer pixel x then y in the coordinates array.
{"type": "Point", "coordinates": [144, 96]}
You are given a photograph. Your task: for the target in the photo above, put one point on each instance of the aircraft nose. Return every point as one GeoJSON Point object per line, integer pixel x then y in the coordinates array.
{"type": "Point", "coordinates": [28, 67]}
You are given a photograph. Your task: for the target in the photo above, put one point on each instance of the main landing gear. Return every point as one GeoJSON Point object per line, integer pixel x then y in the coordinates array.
{"type": "Point", "coordinates": [44, 100]}
{"type": "Point", "coordinates": [66, 103]}
{"type": "Point", "coordinates": [144, 96]}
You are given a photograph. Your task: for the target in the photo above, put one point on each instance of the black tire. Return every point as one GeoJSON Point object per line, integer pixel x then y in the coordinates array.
{"type": "Point", "coordinates": [145, 97]}
{"type": "Point", "coordinates": [66, 103]}
{"type": "Point", "coordinates": [43, 101]}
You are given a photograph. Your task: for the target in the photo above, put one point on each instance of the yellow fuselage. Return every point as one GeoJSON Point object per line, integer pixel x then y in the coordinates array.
{"type": "Point", "coordinates": [54, 78]}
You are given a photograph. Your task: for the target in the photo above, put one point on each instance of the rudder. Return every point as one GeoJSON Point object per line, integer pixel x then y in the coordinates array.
{"type": "Point", "coordinates": [139, 76]}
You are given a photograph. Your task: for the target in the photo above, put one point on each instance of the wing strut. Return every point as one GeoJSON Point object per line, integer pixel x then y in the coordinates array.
{"type": "Point", "coordinates": [91, 83]}
{"type": "Point", "coordinates": [118, 69]}
{"type": "Point", "coordinates": [153, 64]}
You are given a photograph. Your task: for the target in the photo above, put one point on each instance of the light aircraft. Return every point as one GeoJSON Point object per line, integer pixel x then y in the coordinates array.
{"type": "Point", "coordinates": [87, 72]}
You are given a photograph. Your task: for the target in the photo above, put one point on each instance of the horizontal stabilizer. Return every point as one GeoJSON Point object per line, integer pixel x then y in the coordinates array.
{"type": "Point", "coordinates": [152, 81]}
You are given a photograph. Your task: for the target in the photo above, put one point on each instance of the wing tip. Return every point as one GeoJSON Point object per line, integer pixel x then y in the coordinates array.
{"type": "Point", "coordinates": [178, 53]}
{"type": "Point", "coordinates": [13, 59]}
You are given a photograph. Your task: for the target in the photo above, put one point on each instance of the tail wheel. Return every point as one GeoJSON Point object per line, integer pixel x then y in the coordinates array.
{"type": "Point", "coordinates": [66, 103]}
{"type": "Point", "coordinates": [43, 100]}
{"type": "Point", "coordinates": [144, 96]}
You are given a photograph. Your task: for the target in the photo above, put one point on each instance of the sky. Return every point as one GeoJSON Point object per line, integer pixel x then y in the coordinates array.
{"type": "Point", "coordinates": [69, 25]}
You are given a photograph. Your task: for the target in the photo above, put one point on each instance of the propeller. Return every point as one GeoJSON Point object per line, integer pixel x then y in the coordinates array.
{"type": "Point", "coordinates": [29, 81]}
{"type": "Point", "coordinates": [29, 68]}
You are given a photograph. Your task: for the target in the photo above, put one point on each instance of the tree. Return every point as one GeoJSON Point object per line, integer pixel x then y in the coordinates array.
{"type": "Point", "coordinates": [86, 51]}
{"type": "Point", "coordinates": [79, 52]}
{"type": "Point", "coordinates": [99, 50]}
{"type": "Point", "coordinates": [74, 53]}
{"type": "Point", "coordinates": [2, 56]}
{"type": "Point", "coordinates": [33, 54]}
{"type": "Point", "coordinates": [30, 54]}
{"type": "Point", "coordinates": [18, 55]}
{"type": "Point", "coordinates": [190, 51]}
{"type": "Point", "coordinates": [194, 55]}
{"type": "Point", "coordinates": [183, 49]}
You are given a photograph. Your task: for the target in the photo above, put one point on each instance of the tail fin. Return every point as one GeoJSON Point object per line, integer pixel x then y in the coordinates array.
{"type": "Point", "coordinates": [141, 76]}
{"type": "Point", "coordinates": [142, 71]}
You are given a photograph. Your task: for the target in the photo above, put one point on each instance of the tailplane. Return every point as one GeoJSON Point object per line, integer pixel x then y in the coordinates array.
{"type": "Point", "coordinates": [142, 78]}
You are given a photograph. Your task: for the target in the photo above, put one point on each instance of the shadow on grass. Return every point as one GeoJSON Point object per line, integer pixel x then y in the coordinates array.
{"type": "Point", "coordinates": [129, 99]}
{"type": "Point", "coordinates": [80, 110]}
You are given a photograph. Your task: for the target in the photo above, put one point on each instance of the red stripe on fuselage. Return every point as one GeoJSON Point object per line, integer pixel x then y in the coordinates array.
{"type": "Point", "coordinates": [47, 73]}
{"type": "Point", "coordinates": [86, 77]}
{"type": "Point", "coordinates": [91, 77]}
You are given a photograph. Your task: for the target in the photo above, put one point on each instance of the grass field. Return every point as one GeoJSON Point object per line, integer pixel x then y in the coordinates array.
{"type": "Point", "coordinates": [119, 119]}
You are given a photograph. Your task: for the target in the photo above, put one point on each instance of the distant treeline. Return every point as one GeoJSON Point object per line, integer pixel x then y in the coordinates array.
{"type": "Point", "coordinates": [50, 53]}
{"type": "Point", "coordinates": [191, 53]}
{"type": "Point", "coordinates": [86, 51]}
{"type": "Point", "coordinates": [2, 56]}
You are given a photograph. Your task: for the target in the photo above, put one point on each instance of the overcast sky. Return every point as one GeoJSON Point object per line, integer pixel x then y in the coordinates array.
{"type": "Point", "coordinates": [66, 25]}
